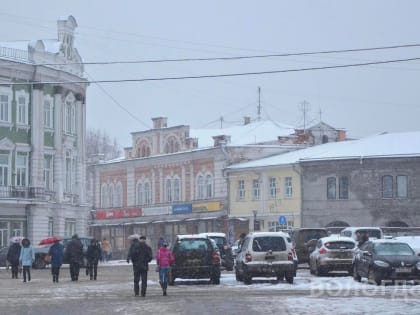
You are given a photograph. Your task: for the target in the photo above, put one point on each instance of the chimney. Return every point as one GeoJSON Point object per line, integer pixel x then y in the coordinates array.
{"type": "Point", "coordinates": [247, 120]}
{"type": "Point", "coordinates": [221, 140]}
{"type": "Point", "coordinates": [160, 122]}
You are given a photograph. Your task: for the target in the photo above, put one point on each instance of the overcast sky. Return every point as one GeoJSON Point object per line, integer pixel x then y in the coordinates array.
{"type": "Point", "coordinates": [364, 100]}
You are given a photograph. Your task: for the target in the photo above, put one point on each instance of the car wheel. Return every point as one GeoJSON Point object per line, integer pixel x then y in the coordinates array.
{"type": "Point", "coordinates": [39, 263]}
{"type": "Point", "coordinates": [215, 280]}
{"type": "Point", "coordinates": [373, 277]}
{"type": "Point", "coordinates": [356, 275]}
{"type": "Point", "coordinates": [247, 279]}
{"type": "Point", "coordinates": [289, 277]}
{"type": "Point", "coordinates": [238, 276]}
{"type": "Point", "coordinates": [280, 276]}
{"type": "Point", "coordinates": [318, 271]}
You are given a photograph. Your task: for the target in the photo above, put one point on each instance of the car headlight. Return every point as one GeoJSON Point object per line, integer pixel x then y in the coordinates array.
{"type": "Point", "coordinates": [418, 265]}
{"type": "Point", "coordinates": [381, 263]}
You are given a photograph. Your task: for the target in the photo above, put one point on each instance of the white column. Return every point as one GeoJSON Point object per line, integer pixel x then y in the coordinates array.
{"type": "Point", "coordinates": [58, 141]}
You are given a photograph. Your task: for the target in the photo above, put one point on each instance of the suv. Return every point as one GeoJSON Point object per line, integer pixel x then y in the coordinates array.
{"type": "Point", "coordinates": [225, 250]}
{"type": "Point", "coordinates": [304, 241]}
{"type": "Point", "coordinates": [265, 254]}
{"type": "Point", "coordinates": [196, 257]}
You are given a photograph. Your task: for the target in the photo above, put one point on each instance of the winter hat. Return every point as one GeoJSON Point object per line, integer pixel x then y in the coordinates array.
{"type": "Point", "coordinates": [165, 243]}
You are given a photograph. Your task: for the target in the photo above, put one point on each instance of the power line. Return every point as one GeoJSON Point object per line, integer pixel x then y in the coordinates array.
{"type": "Point", "coordinates": [354, 65]}
{"type": "Point", "coordinates": [322, 52]}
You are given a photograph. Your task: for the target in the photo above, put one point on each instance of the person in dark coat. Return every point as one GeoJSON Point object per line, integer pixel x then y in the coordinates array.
{"type": "Point", "coordinates": [140, 254]}
{"type": "Point", "coordinates": [74, 255]}
{"type": "Point", "coordinates": [56, 252]}
{"type": "Point", "coordinates": [13, 258]}
{"type": "Point", "coordinates": [93, 255]}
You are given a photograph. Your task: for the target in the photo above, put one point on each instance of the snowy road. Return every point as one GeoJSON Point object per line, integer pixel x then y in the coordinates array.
{"type": "Point", "coordinates": [112, 293]}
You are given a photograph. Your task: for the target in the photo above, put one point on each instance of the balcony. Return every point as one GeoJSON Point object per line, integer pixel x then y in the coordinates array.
{"type": "Point", "coordinates": [19, 192]}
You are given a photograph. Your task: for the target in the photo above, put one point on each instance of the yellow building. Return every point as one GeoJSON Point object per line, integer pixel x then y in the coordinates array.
{"type": "Point", "coordinates": [267, 191]}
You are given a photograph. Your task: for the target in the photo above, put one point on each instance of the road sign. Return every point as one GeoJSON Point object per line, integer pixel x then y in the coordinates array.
{"type": "Point", "coordinates": [282, 220]}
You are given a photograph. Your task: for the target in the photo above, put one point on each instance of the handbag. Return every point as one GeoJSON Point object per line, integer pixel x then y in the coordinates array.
{"type": "Point", "coordinates": [47, 258]}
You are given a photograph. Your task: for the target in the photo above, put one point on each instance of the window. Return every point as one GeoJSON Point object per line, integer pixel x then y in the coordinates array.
{"type": "Point", "coordinates": [176, 189]}
{"type": "Point", "coordinates": [331, 188]}
{"type": "Point", "coordinates": [144, 193]}
{"type": "Point", "coordinates": [4, 169]}
{"type": "Point", "coordinates": [68, 172]}
{"type": "Point", "coordinates": [273, 188]}
{"type": "Point", "coordinates": [147, 194]}
{"type": "Point", "coordinates": [288, 189]}
{"type": "Point", "coordinates": [70, 115]}
{"type": "Point", "coordinates": [50, 226]}
{"type": "Point", "coordinates": [343, 187]}
{"type": "Point", "coordinates": [241, 189]}
{"type": "Point", "coordinates": [171, 145]}
{"type": "Point", "coordinates": [387, 189]}
{"type": "Point", "coordinates": [21, 169]}
{"type": "Point", "coordinates": [69, 227]}
{"type": "Point", "coordinates": [104, 196]}
{"type": "Point", "coordinates": [4, 108]}
{"type": "Point", "coordinates": [21, 116]}
{"type": "Point", "coordinates": [200, 187]}
{"type": "Point", "coordinates": [256, 189]}
{"type": "Point", "coordinates": [48, 114]}
{"type": "Point", "coordinates": [209, 186]}
{"type": "Point", "coordinates": [140, 198]}
{"type": "Point", "coordinates": [168, 190]}
{"type": "Point", "coordinates": [118, 195]}
{"type": "Point", "coordinates": [402, 184]}
{"type": "Point", "coordinates": [111, 196]}
{"type": "Point", "coordinates": [48, 171]}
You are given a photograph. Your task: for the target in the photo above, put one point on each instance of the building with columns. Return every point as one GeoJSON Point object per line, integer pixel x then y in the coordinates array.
{"type": "Point", "coordinates": [42, 137]}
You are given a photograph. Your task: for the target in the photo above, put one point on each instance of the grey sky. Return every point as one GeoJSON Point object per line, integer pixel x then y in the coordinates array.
{"type": "Point", "coordinates": [363, 100]}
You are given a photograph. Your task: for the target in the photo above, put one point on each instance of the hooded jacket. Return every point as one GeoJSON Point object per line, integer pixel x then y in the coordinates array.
{"type": "Point", "coordinates": [164, 257]}
{"type": "Point", "coordinates": [57, 254]}
{"type": "Point", "coordinates": [27, 254]}
{"type": "Point", "coordinates": [13, 254]}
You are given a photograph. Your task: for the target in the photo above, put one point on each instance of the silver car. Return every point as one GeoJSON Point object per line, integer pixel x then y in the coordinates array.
{"type": "Point", "coordinates": [332, 253]}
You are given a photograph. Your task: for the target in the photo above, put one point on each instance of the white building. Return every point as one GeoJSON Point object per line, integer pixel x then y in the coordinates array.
{"type": "Point", "coordinates": [42, 135]}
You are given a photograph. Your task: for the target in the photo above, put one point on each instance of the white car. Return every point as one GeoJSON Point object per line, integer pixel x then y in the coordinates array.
{"type": "Point", "coordinates": [412, 240]}
{"type": "Point", "coordinates": [265, 254]}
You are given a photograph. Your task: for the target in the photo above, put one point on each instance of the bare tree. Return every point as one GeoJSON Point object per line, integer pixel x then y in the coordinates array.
{"type": "Point", "coordinates": [98, 143]}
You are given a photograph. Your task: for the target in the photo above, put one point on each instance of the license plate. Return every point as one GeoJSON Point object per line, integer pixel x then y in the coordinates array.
{"type": "Point", "coordinates": [403, 270]}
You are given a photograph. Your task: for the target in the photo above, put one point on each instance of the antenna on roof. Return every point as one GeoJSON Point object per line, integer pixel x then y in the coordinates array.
{"type": "Point", "coordinates": [259, 104]}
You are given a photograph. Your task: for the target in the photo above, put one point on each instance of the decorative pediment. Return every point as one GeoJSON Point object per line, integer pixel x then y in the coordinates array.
{"type": "Point", "coordinates": [6, 144]}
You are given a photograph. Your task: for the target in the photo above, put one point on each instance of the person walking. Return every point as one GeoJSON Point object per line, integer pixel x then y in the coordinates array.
{"type": "Point", "coordinates": [74, 255]}
{"type": "Point", "coordinates": [106, 249]}
{"type": "Point", "coordinates": [13, 255]}
{"type": "Point", "coordinates": [93, 255]}
{"type": "Point", "coordinates": [26, 258]}
{"type": "Point", "coordinates": [164, 259]}
{"type": "Point", "coordinates": [56, 252]}
{"type": "Point", "coordinates": [140, 254]}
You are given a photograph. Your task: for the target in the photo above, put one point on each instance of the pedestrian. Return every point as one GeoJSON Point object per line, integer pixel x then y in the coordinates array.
{"type": "Point", "coordinates": [241, 240]}
{"type": "Point", "coordinates": [106, 249]}
{"type": "Point", "coordinates": [74, 255]}
{"type": "Point", "coordinates": [26, 258]}
{"type": "Point", "coordinates": [164, 260]}
{"type": "Point", "coordinates": [364, 237]}
{"type": "Point", "coordinates": [13, 255]}
{"type": "Point", "coordinates": [93, 255]}
{"type": "Point", "coordinates": [160, 242]}
{"type": "Point", "coordinates": [140, 254]}
{"type": "Point", "coordinates": [56, 253]}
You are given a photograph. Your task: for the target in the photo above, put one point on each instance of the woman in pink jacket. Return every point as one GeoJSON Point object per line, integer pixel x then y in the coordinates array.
{"type": "Point", "coordinates": [164, 259]}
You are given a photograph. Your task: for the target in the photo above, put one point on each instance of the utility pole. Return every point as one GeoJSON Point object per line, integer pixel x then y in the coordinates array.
{"type": "Point", "coordinates": [221, 122]}
{"type": "Point", "coordinates": [259, 104]}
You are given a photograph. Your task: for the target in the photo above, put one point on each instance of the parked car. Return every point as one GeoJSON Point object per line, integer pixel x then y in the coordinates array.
{"type": "Point", "coordinates": [226, 255]}
{"type": "Point", "coordinates": [304, 241]}
{"type": "Point", "coordinates": [265, 254]}
{"type": "Point", "coordinates": [355, 231]}
{"type": "Point", "coordinates": [332, 253]}
{"type": "Point", "coordinates": [413, 241]}
{"type": "Point", "coordinates": [196, 257]}
{"type": "Point", "coordinates": [235, 248]}
{"type": "Point", "coordinates": [385, 259]}
{"type": "Point", "coordinates": [40, 253]}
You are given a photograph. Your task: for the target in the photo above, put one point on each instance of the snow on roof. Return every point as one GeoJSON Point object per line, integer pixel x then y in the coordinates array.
{"type": "Point", "coordinates": [252, 133]}
{"type": "Point", "coordinates": [337, 238]}
{"type": "Point", "coordinates": [382, 145]}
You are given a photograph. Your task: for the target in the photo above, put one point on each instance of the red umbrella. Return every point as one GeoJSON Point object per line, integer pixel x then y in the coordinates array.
{"type": "Point", "coordinates": [50, 240]}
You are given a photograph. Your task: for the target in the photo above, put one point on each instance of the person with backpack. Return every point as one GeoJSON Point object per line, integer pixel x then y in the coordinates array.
{"type": "Point", "coordinates": [164, 259]}
{"type": "Point", "coordinates": [93, 255]}
{"type": "Point", "coordinates": [140, 254]}
{"type": "Point", "coordinates": [13, 258]}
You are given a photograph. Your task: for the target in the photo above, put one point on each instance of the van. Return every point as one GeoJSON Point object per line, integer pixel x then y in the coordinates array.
{"type": "Point", "coordinates": [303, 241]}
{"type": "Point", "coordinates": [355, 231]}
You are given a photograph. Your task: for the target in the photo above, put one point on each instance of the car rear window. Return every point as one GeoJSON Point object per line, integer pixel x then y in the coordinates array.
{"type": "Point", "coordinates": [307, 235]}
{"type": "Point", "coordinates": [339, 245]}
{"type": "Point", "coordinates": [193, 244]}
{"type": "Point", "coordinates": [370, 233]}
{"type": "Point", "coordinates": [220, 241]}
{"type": "Point", "coordinates": [266, 243]}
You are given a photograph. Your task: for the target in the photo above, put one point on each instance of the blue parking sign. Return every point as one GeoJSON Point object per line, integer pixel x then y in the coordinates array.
{"type": "Point", "coordinates": [282, 220]}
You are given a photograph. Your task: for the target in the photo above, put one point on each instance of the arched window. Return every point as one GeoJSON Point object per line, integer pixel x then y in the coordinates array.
{"type": "Point", "coordinates": [200, 187]}
{"type": "Point", "coordinates": [104, 196]}
{"type": "Point", "coordinates": [111, 196]}
{"type": "Point", "coordinates": [118, 195]}
{"type": "Point", "coordinates": [168, 190]}
{"type": "Point", "coordinates": [171, 145]}
{"type": "Point", "coordinates": [140, 199]}
{"type": "Point", "coordinates": [209, 187]}
{"type": "Point", "coordinates": [147, 194]}
{"type": "Point", "coordinates": [177, 189]}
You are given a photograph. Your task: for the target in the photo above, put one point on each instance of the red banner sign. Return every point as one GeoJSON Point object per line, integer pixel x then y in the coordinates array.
{"type": "Point", "coordinates": [118, 213]}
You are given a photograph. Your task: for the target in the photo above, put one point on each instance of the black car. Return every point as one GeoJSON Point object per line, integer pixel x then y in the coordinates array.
{"type": "Point", "coordinates": [385, 259]}
{"type": "Point", "coordinates": [40, 253]}
{"type": "Point", "coordinates": [304, 241]}
{"type": "Point", "coordinates": [196, 257]}
{"type": "Point", "coordinates": [226, 254]}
